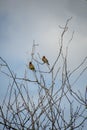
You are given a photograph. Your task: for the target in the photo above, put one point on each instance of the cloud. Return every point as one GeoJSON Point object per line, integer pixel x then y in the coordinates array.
{"type": "Point", "coordinates": [25, 21]}
{"type": "Point", "coordinates": [22, 25]}
{"type": "Point", "coordinates": [21, 22]}
{"type": "Point", "coordinates": [78, 8]}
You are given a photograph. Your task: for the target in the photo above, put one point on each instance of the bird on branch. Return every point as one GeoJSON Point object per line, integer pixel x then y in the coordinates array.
{"type": "Point", "coordinates": [44, 59]}
{"type": "Point", "coordinates": [31, 66]}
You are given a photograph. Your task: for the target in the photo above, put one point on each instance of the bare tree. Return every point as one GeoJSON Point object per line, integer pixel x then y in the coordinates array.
{"type": "Point", "coordinates": [55, 105]}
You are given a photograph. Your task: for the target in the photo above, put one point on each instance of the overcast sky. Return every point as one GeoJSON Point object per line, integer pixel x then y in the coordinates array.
{"type": "Point", "coordinates": [22, 21]}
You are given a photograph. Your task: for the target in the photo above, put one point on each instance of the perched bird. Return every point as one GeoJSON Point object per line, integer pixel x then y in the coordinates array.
{"type": "Point", "coordinates": [31, 66]}
{"type": "Point", "coordinates": [44, 59]}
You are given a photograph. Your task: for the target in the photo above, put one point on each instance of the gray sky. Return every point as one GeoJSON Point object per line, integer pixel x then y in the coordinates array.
{"type": "Point", "coordinates": [22, 21]}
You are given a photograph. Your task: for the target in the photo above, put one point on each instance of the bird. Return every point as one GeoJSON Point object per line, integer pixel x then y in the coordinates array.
{"type": "Point", "coordinates": [31, 66]}
{"type": "Point", "coordinates": [44, 59]}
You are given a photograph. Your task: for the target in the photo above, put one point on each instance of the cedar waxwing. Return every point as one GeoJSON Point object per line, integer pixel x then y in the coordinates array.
{"type": "Point", "coordinates": [44, 59]}
{"type": "Point", "coordinates": [31, 66]}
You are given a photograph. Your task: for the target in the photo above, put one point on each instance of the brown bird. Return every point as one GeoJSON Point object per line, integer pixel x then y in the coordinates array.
{"type": "Point", "coordinates": [31, 66]}
{"type": "Point", "coordinates": [44, 59]}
